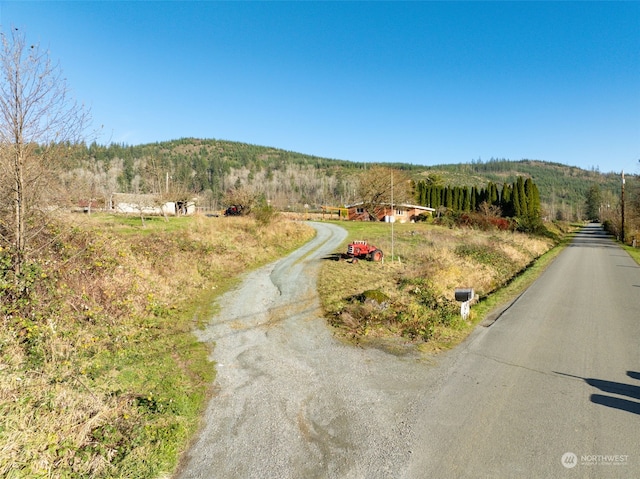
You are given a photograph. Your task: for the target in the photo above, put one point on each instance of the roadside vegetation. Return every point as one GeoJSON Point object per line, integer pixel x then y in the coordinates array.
{"type": "Point", "coordinates": [100, 373]}
{"type": "Point", "coordinates": [408, 301]}
{"type": "Point", "coordinates": [633, 252]}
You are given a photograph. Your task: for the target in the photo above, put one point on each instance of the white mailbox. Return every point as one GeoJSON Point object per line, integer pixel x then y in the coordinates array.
{"type": "Point", "coordinates": [464, 297]}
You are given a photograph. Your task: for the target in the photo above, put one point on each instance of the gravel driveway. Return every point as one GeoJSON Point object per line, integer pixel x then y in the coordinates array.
{"type": "Point", "coordinates": [290, 400]}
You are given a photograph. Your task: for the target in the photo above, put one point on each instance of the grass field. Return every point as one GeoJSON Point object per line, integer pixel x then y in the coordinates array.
{"type": "Point", "coordinates": [101, 375]}
{"type": "Point", "coordinates": [634, 252]}
{"type": "Point", "coordinates": [408, 301]}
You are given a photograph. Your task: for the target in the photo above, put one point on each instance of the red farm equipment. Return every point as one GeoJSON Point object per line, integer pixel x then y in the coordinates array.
{"type": "Point", "coordinates": [363, 250]}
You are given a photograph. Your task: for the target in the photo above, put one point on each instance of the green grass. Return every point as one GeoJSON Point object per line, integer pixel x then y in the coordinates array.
{"type": "Point", "coordinates": [102, 375]}
{"type": "Point", "coordinates": [133, 224]}
{"type": "Point", "coordinates": [516, 286]}
{"type": "Point", "coordinates": [633, 252]}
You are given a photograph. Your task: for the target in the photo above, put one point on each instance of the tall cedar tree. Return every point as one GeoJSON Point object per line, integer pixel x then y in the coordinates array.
{"type": "Point", "coordinates": [593, 200]}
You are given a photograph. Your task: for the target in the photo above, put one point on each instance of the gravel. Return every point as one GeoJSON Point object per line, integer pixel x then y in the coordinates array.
{"type": "Point", "coordinates": [290, 400]}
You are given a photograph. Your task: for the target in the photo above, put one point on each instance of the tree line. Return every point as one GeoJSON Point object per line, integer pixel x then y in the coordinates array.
{"type": "Point", "coordinates": [516, 200]}
{"type": "Point", "coordinates": [562, 187]}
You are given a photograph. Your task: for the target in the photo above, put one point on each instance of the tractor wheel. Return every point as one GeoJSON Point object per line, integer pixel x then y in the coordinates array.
{"type": "Point", "coordinates": [376, 255]}
{"type": "Point", "coordinates": [354, 260]}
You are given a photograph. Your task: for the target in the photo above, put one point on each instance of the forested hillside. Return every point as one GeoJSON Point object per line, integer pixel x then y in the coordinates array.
{"type": "Point", "coordinates": [209, 168]}
{"type": "Point", "coordinates": [290, 180]}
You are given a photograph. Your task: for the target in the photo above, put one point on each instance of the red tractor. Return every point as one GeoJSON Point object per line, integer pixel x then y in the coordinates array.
{"type": "Point", "coordinates": [363, 250]}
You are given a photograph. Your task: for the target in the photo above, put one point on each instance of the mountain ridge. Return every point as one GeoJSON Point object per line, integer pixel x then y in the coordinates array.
{"type": "Point", "coordinates": [289, 179]}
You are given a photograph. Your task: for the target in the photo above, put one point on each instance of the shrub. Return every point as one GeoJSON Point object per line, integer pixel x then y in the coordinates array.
{"type": "Point", "coordinates": [474, 220]}
{"type": "Point", "coordinates": [529, 224]}
{"type": "Point", "coordinates": [264, 214]}
{"type": "Point", "coordinates": [611, 227]}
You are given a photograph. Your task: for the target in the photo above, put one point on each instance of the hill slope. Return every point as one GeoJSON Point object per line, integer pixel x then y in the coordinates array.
{"type": "Point", "coordinates": [563, 189]}
{"type": "Point", "coordinates": [290, 180]}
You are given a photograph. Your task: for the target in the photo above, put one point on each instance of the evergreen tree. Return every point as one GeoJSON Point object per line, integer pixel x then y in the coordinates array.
{"type": "Point", "coordinates": [420, 191]}
{"type": "Point", "coordinates": [515, 199]}
{"type": "Point", "coordinates": [492, 194]}
{"type": "Point", "coordinates": [424, 195]}
{"type": "Point", "coordinates": [536, 209]}
{"type": "Point", "coordinates": [593, 201]}
{"type": "Point", "coordinates": [455, 206]}
{"type": "Point", "coordinates": [506, 200]}
{"type": "Point", "coordinates": [466, 201]}
{"type": "Point", "coordinates": [482, 196]}
{"type": "Point", "coordinates": [437, 197]}
{"type": "Point", "coordinates": [528, 192]}
{"type": "Point", "coordinates": [473, 195]}
{"type": "Point", "coordinates": [521, 207]}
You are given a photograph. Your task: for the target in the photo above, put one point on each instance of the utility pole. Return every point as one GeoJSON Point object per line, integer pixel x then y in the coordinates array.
{"type": "Point", "coordinates": [392, 218]}
{"type": "Point", "coordinates": [622, 208]}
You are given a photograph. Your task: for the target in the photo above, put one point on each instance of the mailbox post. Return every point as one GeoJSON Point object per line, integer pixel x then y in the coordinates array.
{"type": "Point", "coordinates": [464, 297]}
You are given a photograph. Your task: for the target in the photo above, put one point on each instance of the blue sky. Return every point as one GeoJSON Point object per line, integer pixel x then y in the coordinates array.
{"type": "Point", "coordinates": [417, 82]}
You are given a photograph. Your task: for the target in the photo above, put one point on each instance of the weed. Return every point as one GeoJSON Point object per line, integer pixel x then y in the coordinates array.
{"type": "Point", "coordinates": [264, 214]}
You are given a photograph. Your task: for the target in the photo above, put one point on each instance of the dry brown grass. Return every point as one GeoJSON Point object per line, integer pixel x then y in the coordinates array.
{"type": "Point", "coordinates": [100, 375]}
{"type": "Point", "coordinates": [433, 261]}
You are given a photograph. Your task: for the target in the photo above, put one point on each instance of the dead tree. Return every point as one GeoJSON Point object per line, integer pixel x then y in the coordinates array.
{"type": "Point", "coordinates": [38, 120]}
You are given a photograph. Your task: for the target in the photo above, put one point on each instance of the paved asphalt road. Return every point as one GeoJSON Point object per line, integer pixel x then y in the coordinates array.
{"type": "Point", "coordinates": [552, 389]}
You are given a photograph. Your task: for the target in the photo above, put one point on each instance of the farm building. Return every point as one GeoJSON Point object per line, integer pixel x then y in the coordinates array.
{"type": "Point", "coordinates": [149, 204]}
{"type": "Point", "coordinates": [401, 213]}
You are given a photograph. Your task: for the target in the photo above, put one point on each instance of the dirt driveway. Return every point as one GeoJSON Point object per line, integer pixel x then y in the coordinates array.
{"type": "Point", "coordinates": [290, 400]}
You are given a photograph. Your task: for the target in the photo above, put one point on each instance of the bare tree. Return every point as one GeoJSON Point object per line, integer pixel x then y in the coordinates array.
{"type": "Point", "coordinates": [489, 211]}
{"type": "Point", "coordinates": [166, 188]}
{"type": "Point", "coordinates": [38, 120]}
{"type": "Point", "coordinates": [380, 186]}
{"type": "Point", "coordinates": [240, 201]}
